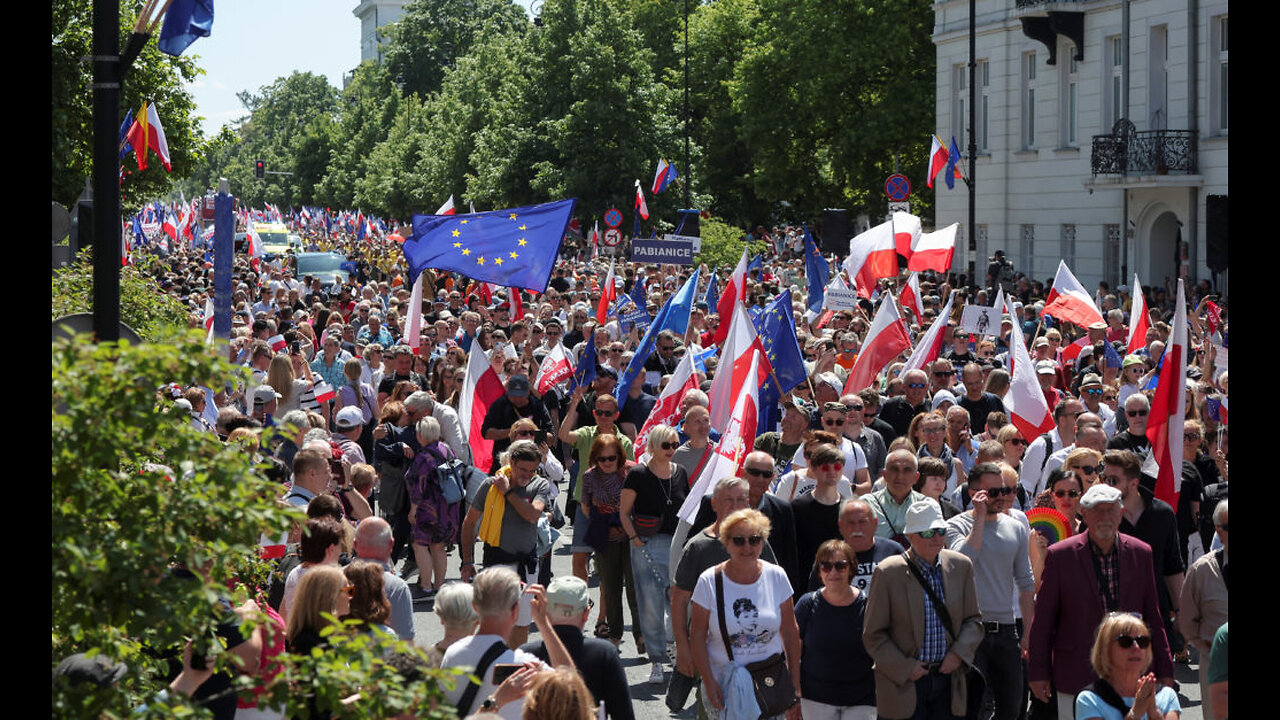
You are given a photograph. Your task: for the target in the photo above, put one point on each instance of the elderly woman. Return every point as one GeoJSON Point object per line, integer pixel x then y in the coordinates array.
{"type": "Point", "coordinates": [459, 618]}
{"type": "Point", "coordinates": [651, 498]}
{"type": "Point", "coordinates": [754, 599]}
{"type": "Point", "coordinates": [1125, 689]}
{"type": "Point", "coordinates": [836, 679]}
{"type": "Point", "coordinates": [601, 497]}
{"type": "Point", "coordinates": [434, 520]}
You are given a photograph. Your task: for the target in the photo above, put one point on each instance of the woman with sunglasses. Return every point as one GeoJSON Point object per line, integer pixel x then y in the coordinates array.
{"type": "Point", "coordinates": [1065, 488]}
{"type": "Point", "coordinates": [601, 496]}
{"type": "Point", "coordinates": [836, 679]}
{"type": "Point", "coordinates": [802, 480]}
{"type": "Point", "coordinates": [1015, 446]}
{"type": "Point", "coordinates": [759, 620]}
{"type": "Point", "coordinates": [1121, 657]}
{"type": "Point", "coordinates": [651, 498]}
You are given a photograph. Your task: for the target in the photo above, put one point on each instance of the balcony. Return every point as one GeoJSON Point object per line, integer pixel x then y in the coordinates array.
{"type": "Point", "coordinates": [1127, 151]}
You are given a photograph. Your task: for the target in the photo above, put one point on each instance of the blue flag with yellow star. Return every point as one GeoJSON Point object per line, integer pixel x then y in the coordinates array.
{"type": "Point", "coordinates": [777, 328]}
{"type": "Point", "coordinates": [816, 271]}
{"type": "Point", "coordinates": [516, 247]}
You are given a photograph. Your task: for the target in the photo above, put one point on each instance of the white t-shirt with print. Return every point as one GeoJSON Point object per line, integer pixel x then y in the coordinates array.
{"type": "Point", "coordinates": [752, 614]}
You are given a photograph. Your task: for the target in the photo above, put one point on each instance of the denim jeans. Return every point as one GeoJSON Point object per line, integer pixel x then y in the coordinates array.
{"type": "Point", "coordinates": [649, 568]}
{"type": "Point", "coordinates": [933, 697]}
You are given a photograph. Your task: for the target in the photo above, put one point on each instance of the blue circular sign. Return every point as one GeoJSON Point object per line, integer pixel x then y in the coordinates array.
{"type": "Point", "coordinates": [613, 217]}
{"type": "Point", "coordinates": [897, 187]}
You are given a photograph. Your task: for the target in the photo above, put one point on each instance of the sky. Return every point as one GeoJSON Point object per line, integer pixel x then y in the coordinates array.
{"type": "Point", "coordinates": [255, 42]}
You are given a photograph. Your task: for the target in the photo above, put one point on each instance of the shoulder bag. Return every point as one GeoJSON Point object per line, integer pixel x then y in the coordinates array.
{"type": "Point", "coordinates": [769, 677]}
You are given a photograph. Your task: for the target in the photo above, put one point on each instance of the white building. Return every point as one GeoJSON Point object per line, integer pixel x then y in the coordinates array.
{"type": "Point", "coordinates": [374, 15]}
{"type": "Point", "coordinates": [1053, 182]}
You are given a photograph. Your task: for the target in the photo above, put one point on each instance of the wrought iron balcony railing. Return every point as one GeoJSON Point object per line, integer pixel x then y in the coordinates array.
{"type": "Point", "coordinates": [1126, 151]}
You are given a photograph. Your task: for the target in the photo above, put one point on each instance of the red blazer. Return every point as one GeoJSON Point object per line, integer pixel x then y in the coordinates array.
{"type": "Point", "coordinates": [1069, 610]}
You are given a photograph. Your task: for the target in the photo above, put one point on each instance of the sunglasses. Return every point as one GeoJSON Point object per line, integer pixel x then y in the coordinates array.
{"type": "Point", "coordinates": [757, 472]}
{"type": "Point", "coordinates": [853, 408]}
{"type": "Point", "coordinates": [1136, 413]}
{"type": "Point", "coordinates": [607, 458]}
{"type": "Point", "coordinates": [829, 467]}
{"type": "Point", "coordinates": [838, 565]}
{"type": "Point", "coordinates": [1091, 469]}
{"type": "Point", "coordinates": [1017, 441]}
{"type": "Point", "coordinates": [930, 534]}
{"type": "Point", "coordinates": [606, 413]}
{"type": "Point", "coordinates": [1092, 391]}
{"type": "Point", "coordinates": [741, 540]}
{"type": "Point", "coordinates": [1128, 641]}
{"type": "Point", "coordinates": [829, 421]}
{"type": "Point", "coordinates": [1191, 437]}
{"type": "Point", "coordinates": [1000, 491]}
{"type": "Point", "coordinates": [1112, 480]}
{"type": "Point", "coordinates": [1066, 493]}
{"type": "Point", "coordinates": [916, 386]}
{"type": "Point", "coordinates": [669, 445]}
{"type": "Point", "coordinates": [947, 373]}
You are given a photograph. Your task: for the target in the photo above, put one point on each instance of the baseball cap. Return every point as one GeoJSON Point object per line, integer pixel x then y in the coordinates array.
{"type": "Point", "coordinates": [518, 386]}
{"type": "Point", "coordinates": [1046, 367]}
{"type": "Point", "coordinates": [566, 596]}
{"type": "Point", "coordinates": [348, 417]}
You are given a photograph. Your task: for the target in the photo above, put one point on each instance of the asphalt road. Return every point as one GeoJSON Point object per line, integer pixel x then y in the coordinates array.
{"type": "Point", "coordinates": [649, 700]}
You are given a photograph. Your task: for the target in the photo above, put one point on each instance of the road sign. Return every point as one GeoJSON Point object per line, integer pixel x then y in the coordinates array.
{"type": "Point", "coordinates": [612, 237]}
{"type": "Point", "coordinates": [899, 207]}
{"type": "Point", "coordinates": [897, 187]}
{"type": "Point", "coordinates": [613, 217]}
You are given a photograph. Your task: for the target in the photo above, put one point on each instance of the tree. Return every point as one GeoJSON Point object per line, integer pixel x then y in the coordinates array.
{"type": "Point", "coordinates": [154, 77]}
{"type": "Point", "coordinates": [368, 108]}
{"type": "Point", "coordinates": [722, 244]}
{"type": "Point", "coordinates": [153, 315]}
{"type": "Point", "coordinates": [393, 183]}
{"type": "Point", "coordinates": [432, 35]}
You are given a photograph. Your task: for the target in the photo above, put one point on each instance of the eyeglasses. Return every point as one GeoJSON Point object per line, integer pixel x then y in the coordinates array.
{"type": "Point", "coordinates": [916, 386]}
{"type": "Point", "coordinates": [605, 413]}
{"type": "Point", "coordinates": [669, 445]}
{"type": "Point", "coordinates": [831, 421]}
{"type": "Point", "coordinates": [1066, 493]}
{"type": "Point", "coordinates": [933, 430]}
{"type": "Point", "coordinates": [1128, 641]}
{"type": "Point", "coordinates": [838, 565]}
{"type": "Point", "coordinates": [741, 540]}
{"type": "Point", "coordinates": [829, 467]}
{"type": "Point", "coordinates": [607, 458]}
{"type": "Point", "coordinates": [1191, 437]}
{"type": "Point", "coordinates": [930, 534]}
{"type": "Point", "coordinates": [1136, 413]}
{"type": "Point", "coordinates": [1113, 480]}
{"type": "Point", "coordinates": [757, 472]}
{"type": "Point", "coordinates": [1000, 491]}
{"type": "Point", "coordinates": [1091, 469]}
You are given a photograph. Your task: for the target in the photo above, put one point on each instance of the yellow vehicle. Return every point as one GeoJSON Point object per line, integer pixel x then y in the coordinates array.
{"type": "Point", "coordinates": [276, 239]}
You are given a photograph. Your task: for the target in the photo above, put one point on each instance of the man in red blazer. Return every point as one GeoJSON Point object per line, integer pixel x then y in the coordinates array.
{"type": "Point", "coordinates": [1085, 577]}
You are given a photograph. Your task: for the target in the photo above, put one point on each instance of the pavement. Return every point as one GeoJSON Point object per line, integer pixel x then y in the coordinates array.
{"type": "Point", "coordinates": [648, 700]}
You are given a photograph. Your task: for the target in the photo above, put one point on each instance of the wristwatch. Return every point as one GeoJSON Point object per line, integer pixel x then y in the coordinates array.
{"type": "Point", "coordinates": [489, 704]}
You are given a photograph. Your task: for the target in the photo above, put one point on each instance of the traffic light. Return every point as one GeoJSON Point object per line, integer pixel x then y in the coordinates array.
{"type": "Point", "coordinates": [259, 169]}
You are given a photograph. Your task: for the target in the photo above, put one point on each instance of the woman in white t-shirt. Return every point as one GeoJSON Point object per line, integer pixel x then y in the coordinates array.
{"type": "Point", "coordinates": [759, 617]}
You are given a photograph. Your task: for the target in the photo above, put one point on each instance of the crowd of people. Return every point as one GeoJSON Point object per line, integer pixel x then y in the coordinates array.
{"type": "Point", "coordinates": [900, 550]}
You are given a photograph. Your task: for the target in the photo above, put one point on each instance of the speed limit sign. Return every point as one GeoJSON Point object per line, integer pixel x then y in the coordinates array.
{"type": "Point", "coordinates": [612, 237]}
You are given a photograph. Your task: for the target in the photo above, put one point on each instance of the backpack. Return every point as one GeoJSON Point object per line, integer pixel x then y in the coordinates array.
{"type": "Point", "coordinates": [450, 476]}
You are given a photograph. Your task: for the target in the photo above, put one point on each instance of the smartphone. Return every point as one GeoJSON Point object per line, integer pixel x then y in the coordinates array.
{"type": "Point", "coordinates": [502, 671]}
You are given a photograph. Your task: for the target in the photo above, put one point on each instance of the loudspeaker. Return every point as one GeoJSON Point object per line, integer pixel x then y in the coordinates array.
{"type": "Point", "coordinates": [1216, 234]}
{"type": "Point", "coordinates": [688, 223]}
{"type": "Point", "coordinates": [835, 231]}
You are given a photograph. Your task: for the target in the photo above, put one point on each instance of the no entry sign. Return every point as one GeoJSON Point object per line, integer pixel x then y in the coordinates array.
{"type": "Point", "coordinates": [897, 187]}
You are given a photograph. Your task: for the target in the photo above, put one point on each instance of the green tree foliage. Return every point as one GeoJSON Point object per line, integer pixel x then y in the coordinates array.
{"type": "Point", "coordinates": [722, 245]}
{"type": "Point", "coordinates": [368, 108]}
{"type": "Point", "coordinates": [291, 115]}
{"type": "Point", "coordinates": [392, 183]}
{"type": "Point", "coordinates": [154, 77]}
{"type": "Point", "coordinates": [154, 316]}
{"type": "Point", "coordinates": [433, 35]}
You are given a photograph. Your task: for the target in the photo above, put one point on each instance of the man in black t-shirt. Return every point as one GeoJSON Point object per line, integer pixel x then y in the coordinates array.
{"type": "Point", "coordinates": [401, 364]}
{"type": "Point", "coordinates": [898, 411]}
{"type": "Point", "coordinates": [1137, 409]}
{"type": "Point", "coordinates": [975, 400]}
{"type": "Point", "coordinates": [858, 528]}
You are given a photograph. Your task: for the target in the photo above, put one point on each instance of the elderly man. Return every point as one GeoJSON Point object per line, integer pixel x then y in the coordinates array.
{"type": "Point", "coordinates": [923, 624]}
{"type": "Point", "coordinates": [1038, 452]}
{"type": "Point", "coordinates": [1091, 389]}
{"type": "Point", "coordinates": [1084, 577]}
{"type": "Point", "coordinates": [997, 545]}
{"type": "Point", "coordinates": [943, 376]}
{"type": "Point", "coordinates": [899, 411]}
{"type": "Point", "coordinates": [374, 543]}
{"type": "Point", "coordinates": [891, 502]}
{"type": "Point", "coordinates": [1204, 607]}
{"type": "Point", "coordinates": [568, 608]}
{"type": "Point", "coordinates": [512, 506]}
{"type": "Point", "coordinates": [976, 401]}
{"type": "Point", "coordinates": [1137, 409]}
{"type": "Point", "coordinates": [348, 424]}
{"type": "Point", "coordinates": [662, 362]}
{"type": "Point", "coordinates": [858, 529]}
{"type": "Point", "coordinates": [515, 404]}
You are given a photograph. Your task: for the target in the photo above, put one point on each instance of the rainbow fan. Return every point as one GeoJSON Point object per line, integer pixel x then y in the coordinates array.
{"type": "Point", "coordinates": [1049, 522]}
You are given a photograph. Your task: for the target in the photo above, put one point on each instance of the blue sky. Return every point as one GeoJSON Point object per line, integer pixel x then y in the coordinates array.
{"type": "Point", "coordinates": [253, 43]}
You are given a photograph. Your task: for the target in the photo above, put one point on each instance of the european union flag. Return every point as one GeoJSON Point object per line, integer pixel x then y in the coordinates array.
{"type": "Point", "coordinates": [816, 271]}
{"type": "Point", "coordinates": [638, 293]}
{"type": "Point", "coordinates": [673, 316]}
{"type": "Point", "coordinates": [1113, 358]}
{"type": "Point", "coordinates": [585, 374]}
{"type": "Point", "coordinates": [700, 360]}
{"type": "Point", "coordinates": [515, 247]}
{"type": "Point", "coordinates": [712, 298]}
{"type": "Point", "coordinates": [756, 263]}
{"type": "Point", "coordinates": [778, 336]}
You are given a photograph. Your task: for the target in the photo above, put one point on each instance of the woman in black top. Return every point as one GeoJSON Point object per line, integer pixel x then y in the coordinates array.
{"type": "Point", "coordinates": [836, 679]}
{"type": "Point", "coordinates": [651, 498]}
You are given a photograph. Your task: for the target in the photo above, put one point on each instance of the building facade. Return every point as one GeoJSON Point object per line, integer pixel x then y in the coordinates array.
{"type": "Point", "coordinates": [374, 15]}
{"type": "Point", "coordinates": [1101, 129]}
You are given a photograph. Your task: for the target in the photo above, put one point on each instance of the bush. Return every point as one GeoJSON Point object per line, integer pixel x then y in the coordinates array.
{"type": "Point", "coordinates": [722, 245]}
{"type": "Point", "coordinates": [152, 314]}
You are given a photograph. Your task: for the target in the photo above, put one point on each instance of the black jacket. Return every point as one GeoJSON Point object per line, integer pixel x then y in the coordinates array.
{"type": "Point", "coordinates": [599, 665]}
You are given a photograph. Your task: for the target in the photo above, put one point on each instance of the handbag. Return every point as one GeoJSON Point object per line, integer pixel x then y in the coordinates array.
{"type": "Point", "coordinates": [678, 690]}
{"type": "Point", "coordinates": [646, 525]}
{"type": "Point", "coordinates": [770, 677]}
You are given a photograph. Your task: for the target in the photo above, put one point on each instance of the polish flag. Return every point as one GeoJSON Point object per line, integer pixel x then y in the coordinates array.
{"type": "Point", "coordinates": [1139, 321]}
{"type": "Point", "coordinates": [324, 392]}
{"type": "Point", "coordinates": [208, 319]}
{"type": "Point", "coordinates": [938, 157]}
{"type": "Point", "coordinates": [935, 250]}
{"type": "Point", "coordinates": [734, 293]}
{"type": "Point", "coordinates": [735, 442]}
{"type": "Point", "coordinates": [480, 388]}
{"type": "Point", "coordinates": [272, 548]}
{"type": "Point", "coordinates": [1024, 400]}
{"type": "Point", "coordinates": [169, 227]}
{"type": "Point", "coordinates": [906, 232]}
{"type": "Point", "coordinates": [872, 256]}
{"type": "Point", "coordinates": [1169, 407]}
{"type": "Point", "coordinates": [641, 206]}
{"type": "Point", "coordinates": [276, 342]}
{"type": "Point", "coordinates": [608, 294]}
{"type": "Point", "coordinates": [666, 411]}
{"type": "Point", "coordinates": [413, 325]}
{"type": "Point", "coordinates": [1212, 316]}
{"type": "Point", "coordinates": [554, 370]}
{"type": "Point", "coordinates": [1072, 351]}
{"type": "Point", "coordinates": [886, 339]}
{"type": "Point", "coordinates": [447, 208]}
{"type": "Point", "coordinates": [1069, 301]}
{"type": "Point", "coordinates": [595, 240]}
{"type": "Point", "coordinates": [732, 373]}
{"type": "Point", "coordinates": [911, 299]}
{"type": "Point", "coordinates": [516, 303]}
{"type": "Point", "coordinates": [931, 342]}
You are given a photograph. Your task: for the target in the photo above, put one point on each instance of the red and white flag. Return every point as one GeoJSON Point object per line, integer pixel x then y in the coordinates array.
{"type": "Point", "coordinates": [886, 339]}
{"type": "Point", "coordinates": [324, 392]}
{"type": "Point", "coordinates": [931, 342]}
{"type": "Point", "coordinates": [938, 157]}
{"type": "Point", "coordinates": [481, 386]}
{"type": "Point", "coordinates": [935, 250]}
{"type": "Point", "coordinates": [208, 319]}
{"type": "Point", "coordinates": [1213, 315]}
{"type": "Point", "coordinates": [1024, 401]}
{"type": "Point", "coordinates": [413, 325]}
{"type": "Point", "coordinates": [732, 372]}
{"type": "Point", "coordinates": [1139, 320]}
{"type": "Point", "coordinates": [554, 370]}
{"type": "Point", "coordinates": [872, 256]}
{"type": "Point", "coordinates": [447, 208]}
{"type": "Point", "coordinates": [516, 303]}
{"type": "Point", "coordinates": [270, 548]}
{"type": "Point", "coordinates": [276, 342]}
{"type": "Point", "coordinates": [666, 411]}
{"type": "Point", "coordinates": [1169, 407]}
{"type": "Point", "coordinates": [1072, 351]}
{"type": "Point", "coordinates": [910, 298]}
{"type": "Point", "coordinates": [608, 294]}
{"type": "Point", "coordinates": [595, 240]}
{"type": "Point", "coordinates": [1069, 301]}
{"type": "Point", "coordinates": [641, 206]}
{"type": "Point", "coordinates": [736, 441]}
{"type": "Point", "coordinates": [735, 292]}
{"type": "Point", "coordinates": [906, 232]}
{"type": "Point", "coordinates": [170, 226]}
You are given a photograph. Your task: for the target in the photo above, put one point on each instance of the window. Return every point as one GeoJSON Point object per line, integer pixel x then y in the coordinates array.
{"type": "Point", "coordinates": [1027, 248]}
{"type": "Point", "coordinates": [1111, 254]}
{"type": "Point", "coordinates": [1218, 114]}
{"type": "Point", "coordinates": [981, 251]}
{"type": "Point", "coordinates": [1158, 78]}
{"type": "Point", "coordinates": [960, 104]}
{"type": "Point", "coordinates": [1028, 100]}
{"type": "Point", "coordinates": [984, 100]}
{"type": "Point", "coordinates": [1067, 245]}
{"type": "Point", "coordinates": [1070, 68]}
{"type": "Point", "coordinates": [1112, 96]}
